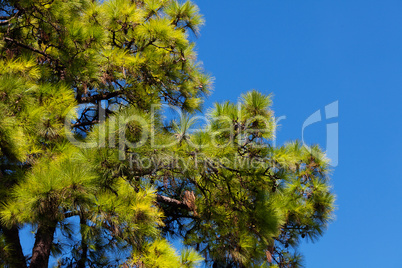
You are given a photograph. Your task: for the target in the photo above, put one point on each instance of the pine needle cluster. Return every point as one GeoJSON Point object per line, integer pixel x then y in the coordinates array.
{"type": "Point", "coordinates": [85, 152]}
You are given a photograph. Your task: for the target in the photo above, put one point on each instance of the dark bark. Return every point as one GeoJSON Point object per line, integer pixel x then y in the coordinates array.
{"type": "Point", "coordinates": [16, 256]}
{"type": "Point", "coordinates": [84, 246]}
{"type": "Point", "coordinates": [26, 47]}
{"type": "Point", "coordinates": [84, 124]}
{"type": "Point", "coordinates": [98, 97]}
{"type": "Point", "coordinates": [43, 244]}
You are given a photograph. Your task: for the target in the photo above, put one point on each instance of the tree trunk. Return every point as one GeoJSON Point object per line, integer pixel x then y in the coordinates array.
{"type": "Point", "coordinates": [16, 258]}
{"type": "Point", "coordinates": [84, 246]}
{"type": "Point", "coordinates": [43, 244]}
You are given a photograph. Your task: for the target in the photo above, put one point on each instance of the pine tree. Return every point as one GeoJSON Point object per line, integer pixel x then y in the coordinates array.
{"type": "Point", "coordinates": [85, 151]}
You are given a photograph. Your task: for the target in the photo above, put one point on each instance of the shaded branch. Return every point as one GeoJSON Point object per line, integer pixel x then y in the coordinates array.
{"type": "Point", "coordinates": [27, 47]}
{"type": "Point", "coordinates": [16, 255]}
{"type": "Point", "coordinates": [5, 22]}
{"type": "Point", "coordinates": [99, 97]}
{"type": "Point", "coordinates": [83, 124]}
{"type": "Point", "coordinates": [6, 19]}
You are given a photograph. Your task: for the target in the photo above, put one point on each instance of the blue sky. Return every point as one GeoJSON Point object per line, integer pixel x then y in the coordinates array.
{"type": "Point", "coordinates": [310, 54]}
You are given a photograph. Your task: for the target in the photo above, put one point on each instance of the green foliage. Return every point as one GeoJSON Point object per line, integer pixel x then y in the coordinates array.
{"type": "Point", "coordinates": [85, 151]}
{"type": "Point", "coordinates": [160, 254]}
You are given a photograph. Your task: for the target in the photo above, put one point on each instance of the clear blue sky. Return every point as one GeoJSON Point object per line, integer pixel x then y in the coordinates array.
{"type": "Point", "coordinates": [310, 54]}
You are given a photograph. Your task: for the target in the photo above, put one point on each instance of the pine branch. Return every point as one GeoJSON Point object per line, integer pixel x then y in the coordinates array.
{"type": "Point", "coordinates": [5, 22]}
{"type": "Point", "coordinates": [70, 214]}
{"type": "Point", "coordinates": [172, 202]}
{"type": "Point", "coordinates": [84, 124]}
{"type": "Point", "coordinates": [6, 19]}
{"type": "Point", "coordinates": [59, 66]}
{"type": "Point", "coordinates": [27, 47]}
{"type": "Point", "coordinates": [99, 97]}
